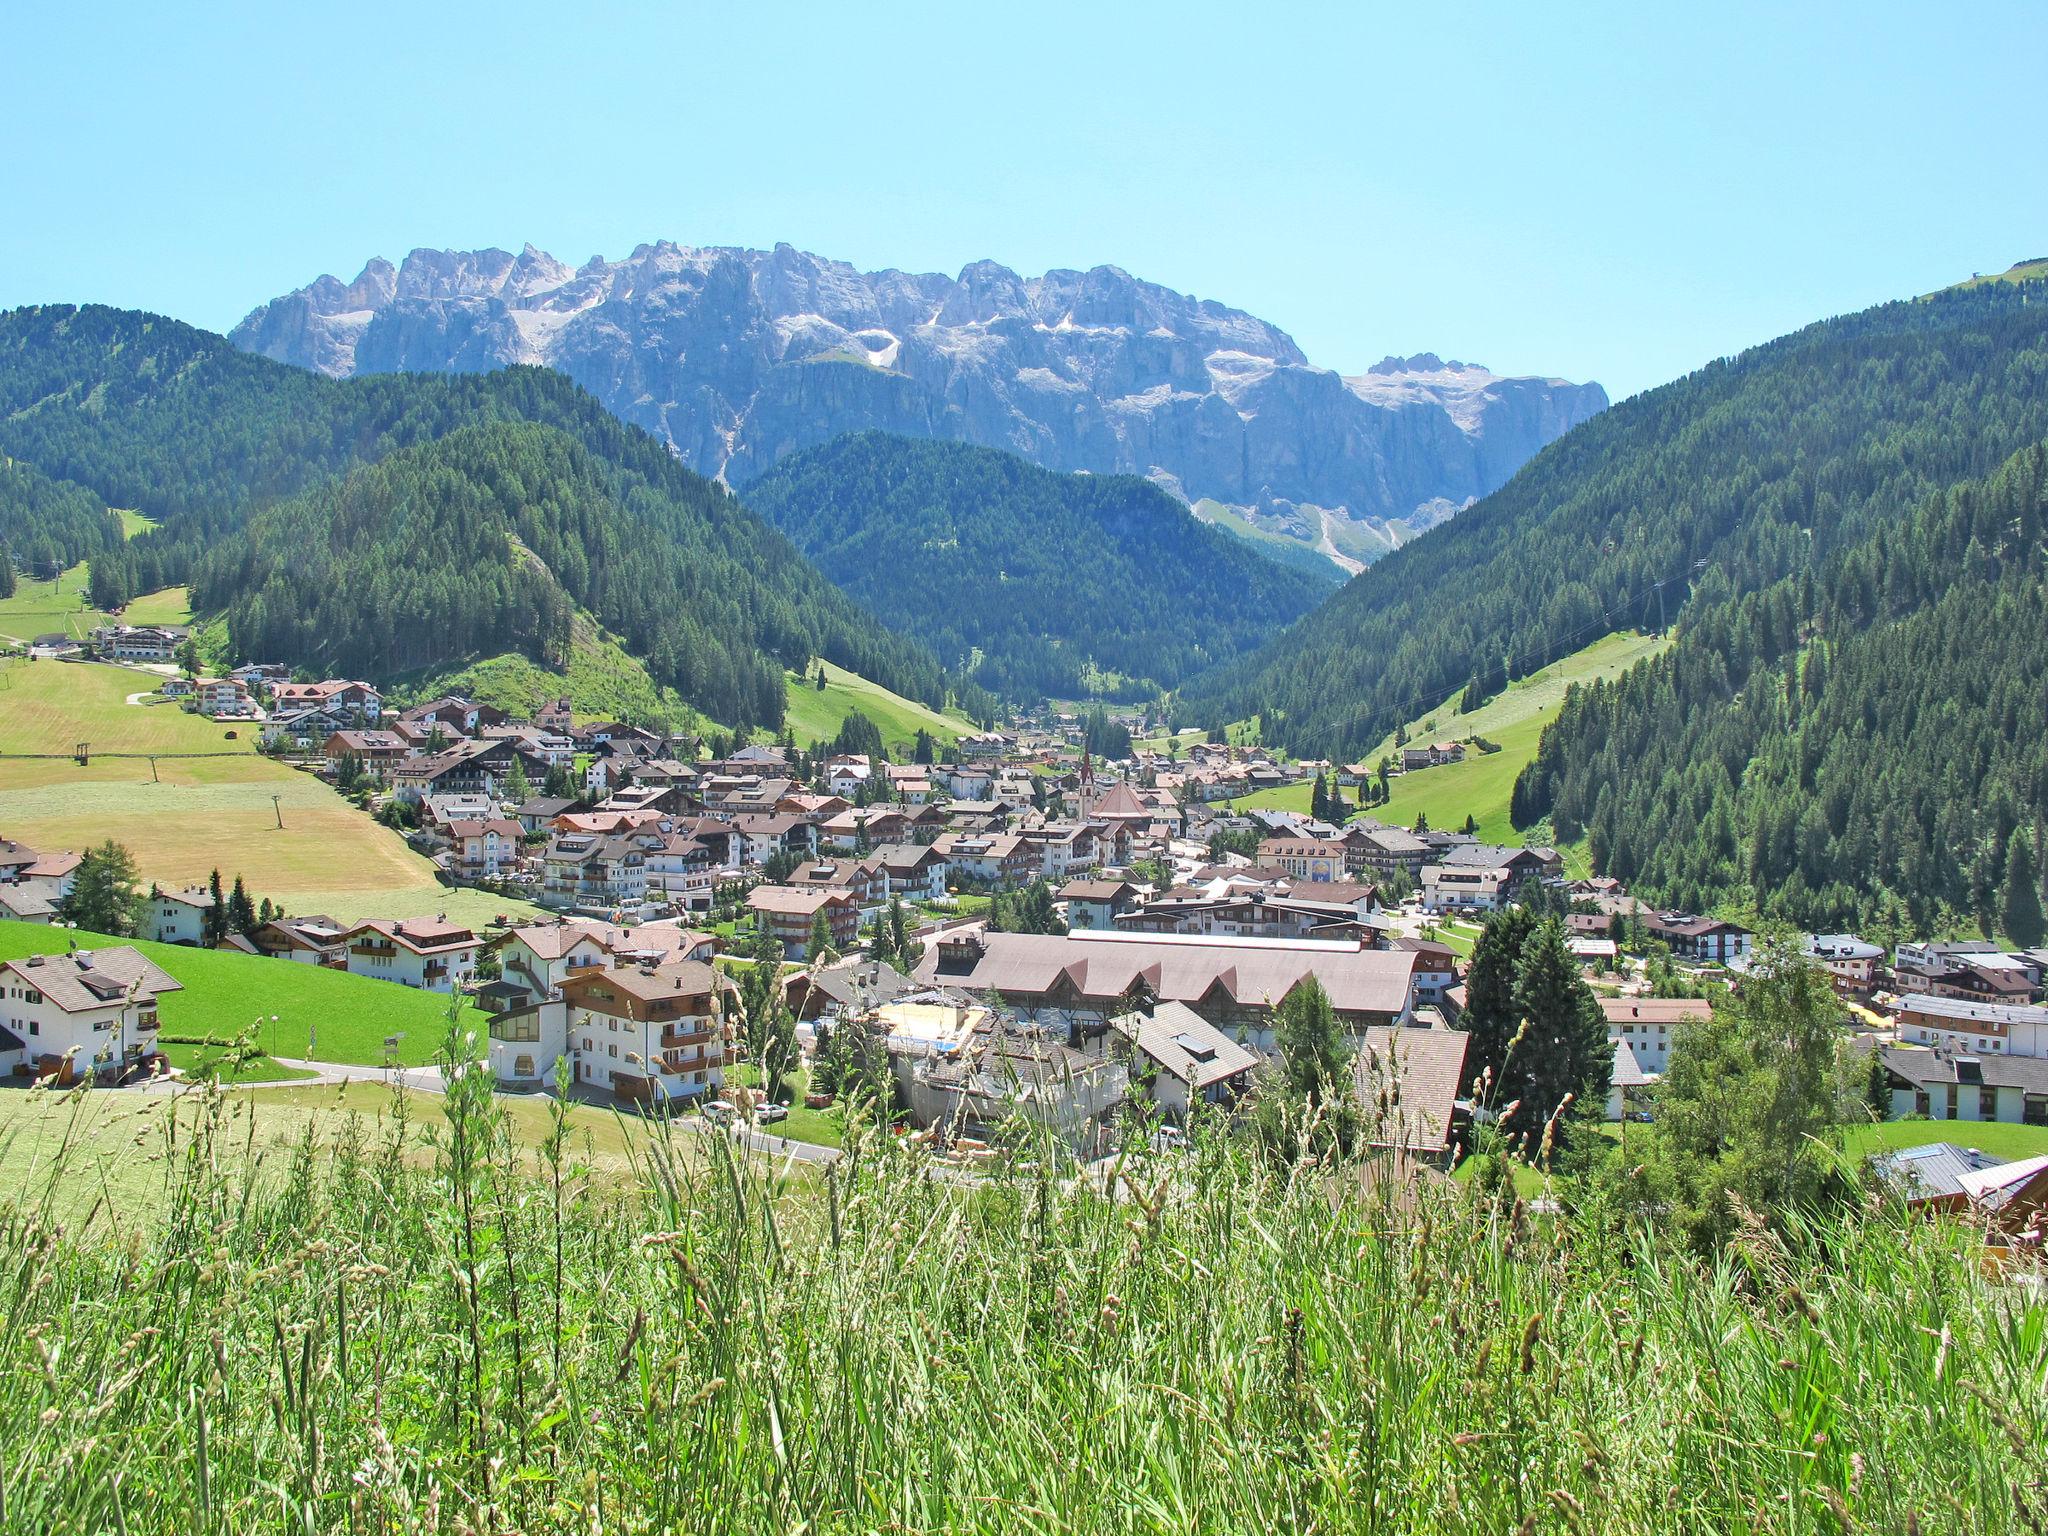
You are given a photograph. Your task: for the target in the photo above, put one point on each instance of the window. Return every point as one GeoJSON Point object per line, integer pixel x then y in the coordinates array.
{"type": "Point", "coordinates": [1987, 1103]}
{"type": "Point", "coordinates": [614, 1050]}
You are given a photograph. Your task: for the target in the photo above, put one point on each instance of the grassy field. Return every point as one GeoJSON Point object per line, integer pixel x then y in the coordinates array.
{"type": "Point", "coordinates": [2018, 272]}
{"type": "Point", "coordinates": [193, 815]}
{"type": "Point", "coordinates": [113, 1143]}
{"type": "Point", "coordinates": [285, 1003]}
{"type": "Point", "coordinates": [461, 1338]}
{"type": "Point", "coordinates": [816, 715]}
{"type": "Point", "coordinates": [48, 608]}
{"type": "Point", "coordinates": [602, 681]}
{"type": "Point", "coordinates": [173, 605]}
{"type": "Point", "coordinates": [1482, 785]}
{"type": "Point", "coordinates": [2009, 1142]}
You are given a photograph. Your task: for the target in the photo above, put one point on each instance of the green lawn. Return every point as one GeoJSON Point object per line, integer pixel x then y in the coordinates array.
{"type": "Point", "coordinates": [816, 714]}
{"type": "Point", "coordinates": [226, 995]}
{"type": "Point", "coordinates": [210, 1061]}
{"type": "Point", "coordinates": [2010, 1142]}
{"type": "Point", "coordinates": [173, 605]}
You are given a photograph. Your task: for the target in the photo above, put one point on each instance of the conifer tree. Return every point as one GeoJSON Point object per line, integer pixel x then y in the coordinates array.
{"type": "Point", "coordinates": [2019, 904]}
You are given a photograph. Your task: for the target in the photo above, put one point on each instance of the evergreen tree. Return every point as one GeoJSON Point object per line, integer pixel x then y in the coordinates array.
{"type": "Point", "coordinates": [1564, 1065]}
{"type": "Point", "coordinates": [1319, 799]}
{"type": "Point", "coordinates": [105, 896]}
{"type": "Point", "coordinates": [821, 936]}
{"type": "Point", "coordinates": [1490, 1009]}
{"type": "Point", "coordinates": [518, 787]}
{"type": "Point", "coordinates": [241, 910]}
{"type": "Point", "coordinates": [2019, 903]}
{"type": "Point", "coordinates": [213, 926]}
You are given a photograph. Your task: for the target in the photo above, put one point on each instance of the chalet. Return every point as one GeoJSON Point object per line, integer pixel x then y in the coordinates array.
{"type": "Point", "coordinates": [1650, 1025]}
{"type": "Point", "coordinates": [177, 917]}
{"type": "Point", "coordinates": [650, 1034]}
{"type": "Point", "coordinates": [303, 728]}
{"type": "Point", "coordinates": [1705, 939]}
{"type": "Point", "coordinates": [914, 871]}
{"type": "Point", "coordinates": [557, 716]}
{"type": "Point", "coordinates": [1975, 1029]}
{"type": "Point", "coordinates": [849, 985]}
{"type": "Point", "coordinates": [762, 836]}
{"type": "Point", "coordinates": [858, 878]}
{"type": "Point", "coordinates": [1306, 858]}
{"type": "Point", "coordinates": [596, 871]}
{"type": "Point", "coordinates": [1254, 914]}
{"type": "Point", "coordinates": [92, 1010]}
{"type": "Point", "coordinates": [138, 642]}
{"type": "Point", "coordinates": [995, 858]}
{"type": "Point", "coordinates": [536, 958]}
{"type": "Point", "coordinates": [1098, 903]}
{"type": "Point", "coordinates": [314, 940]}
{"type": "Point", "coordinates": [538, 813]}
{"type": "Point", "coordinates": [1409, 1083]}
{"type": "Point", "coordinates": [1463, 887]}
{"type": "Point", "coordinates": [1064, 847]}
{"type": "Point", "coordinates": [354, 703]}
{"type": "Point", "coordinates": [48, 875]}
{"type": "Point", "coordinates": [683, 868]}
{"type": "Point", "coordinates": [375, 750]}
{"type": "Point", "coordinates": [1083, 980]}
{"type": "Point", "coordinates": [1436, 967]}
{"type": "Point", "coordinates": [1852, 965]}
{"type": "Point", "coordinates": [20, 904]}
{"type": "Point", "coordinates": [1186, 1059]}
{"type": "Point", "coordinates": [1431, 756]}
{"type": "Point", "coordinates": [431, 954]}
{"type": "Point", "coordinates": [455, 716]}
{"type": "Point", "coordinates": [1951, 1085]}
{"type": "Point", "coordinates": [468, 767]}
{"type": "Point", "coordinates": [483, 850]}
{"type": "Point", "coordinates": [790, 914]}
{"type": "Point", "coordinates": [223, 698]}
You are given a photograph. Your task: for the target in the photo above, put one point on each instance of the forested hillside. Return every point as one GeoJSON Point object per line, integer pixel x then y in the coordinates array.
{"type": "Point", "coordinates": [48, 525]}
{"type": "Point", "coordinates": [1862, 743]}
{"type": "Point", "coordinates": [1040, 582]}
{"type": "Point", "coordinates": [1669, 506]}
{"type": "Point", "coordinates": [151, 414]}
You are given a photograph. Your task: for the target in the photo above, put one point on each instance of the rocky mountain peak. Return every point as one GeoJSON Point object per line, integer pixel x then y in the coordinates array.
{"type": "Point", "coordinates": [738, 357]}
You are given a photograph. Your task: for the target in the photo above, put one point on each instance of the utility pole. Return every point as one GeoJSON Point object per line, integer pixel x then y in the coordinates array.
{"type": "Point", "coordinates": [278, 810]}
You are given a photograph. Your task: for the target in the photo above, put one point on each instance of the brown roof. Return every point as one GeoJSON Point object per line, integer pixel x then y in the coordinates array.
{"type": "Point", "coordinates": [1408, 1083]}
{"type": "Point", "coordinates": [421, 935]}
{"type": "Point", "coordinates": [687, 977]}
{"type": "Point", "coordinates": [1654, 1010]}
{"type": "Point", "coordinates": [787, 899]}
{"type": "Point", "coordinates": [93, 978]}
{"type": "Point", "coordinates": [1250, 972]}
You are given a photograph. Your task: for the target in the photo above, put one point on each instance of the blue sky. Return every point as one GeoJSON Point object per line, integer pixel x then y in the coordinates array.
{"type": "Point", "coordinates": [1598, 192]}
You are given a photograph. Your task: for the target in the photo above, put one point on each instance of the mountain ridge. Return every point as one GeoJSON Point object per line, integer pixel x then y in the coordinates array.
{"type": "Point", "coordinates": [729, 354]}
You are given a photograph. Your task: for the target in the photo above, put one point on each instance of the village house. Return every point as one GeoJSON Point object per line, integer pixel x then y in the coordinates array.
{"type": "Point", "coordinates": [989, 858]}
{"type": "Point", "coordinates": [375, 750]}
{"type": "Point", "coordinates": [431, 954]}
{"type": "Point", "coordinates": [651, 1034]}
{"type": "Point", "coordinates": [789, 914]}
{"type": "Point", "coordinates": [483, 850]}
{"type": "Point", "coordinates": [353, 702]}
{"type": "Point", "coordinates": [1098, 903]}
{"type": "Point", "coordinates": [177, 917]}
{"type": "Point", "coordinates": [913, 871]}
{"type": "Point", "coordinates": [1972, 1028]}
{"type": "Point", "coordinates": [1951, 1085]}
{"type": "Point", "coordinates": [536, 958]}
{"type": "Point", "coordinates": [1707, 940]}
{"type": "Point", "coordinates": [682, 869]}
{"type": "Point", "coordinates": [224, 698]}
{"type": "Point", "coordinates": [1649, 1025]}
{"type": "Point", "coordinates": [1082, 980]}
{"type": "Point", "coordinates": [1186, 1059]}
{"type": "Point", "coordinates": [1465, 887]}
{"type": "Point", "coordinates": [596, 871]}
{"type": "Point", "coordinates": [1433, 755]}
{"type": "Point", "coordinates": [312, 940]}
{"type": "Point", "coordinates": [92, 1010]}
{"type": "Point", "coordinates": [1410, 1084]}
{"type": "Point", "coordinates": [858, 878]}
{"type": "Point", "coordinates": [1852, 965]}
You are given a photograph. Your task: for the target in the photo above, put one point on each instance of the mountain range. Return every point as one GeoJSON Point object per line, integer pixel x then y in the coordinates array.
{"type": "Point", "coordinates": [738, 357]}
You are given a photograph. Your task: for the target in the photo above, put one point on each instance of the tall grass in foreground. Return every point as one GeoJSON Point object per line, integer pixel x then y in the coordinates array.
{"type": "Point", "coordinates": [479, 1340]}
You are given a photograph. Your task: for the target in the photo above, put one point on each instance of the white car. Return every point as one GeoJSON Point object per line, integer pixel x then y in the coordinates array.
{"type": "Point", "coordinates": [768, 1114]}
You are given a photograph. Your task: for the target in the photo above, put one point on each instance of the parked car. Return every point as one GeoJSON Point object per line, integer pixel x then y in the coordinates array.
{"type": "Point", "coordinates": [721, 1112]}
{"type": "Point", "coordinates": [768, 1114]}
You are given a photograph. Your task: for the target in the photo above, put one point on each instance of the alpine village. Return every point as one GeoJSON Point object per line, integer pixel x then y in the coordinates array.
{"type": "Point", "coordinates": [720, 892]}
